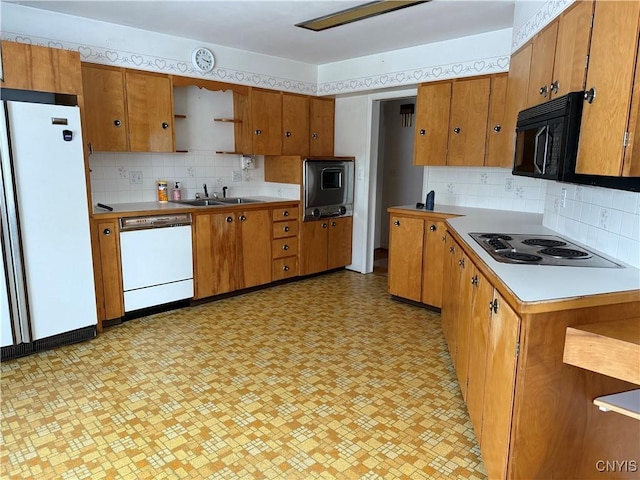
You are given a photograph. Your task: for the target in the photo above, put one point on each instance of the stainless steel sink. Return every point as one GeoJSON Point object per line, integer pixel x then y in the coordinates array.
{"type": "Point", "coordinates": [207, 202]}
{"type": "Point", "coordinates": [233, 200]}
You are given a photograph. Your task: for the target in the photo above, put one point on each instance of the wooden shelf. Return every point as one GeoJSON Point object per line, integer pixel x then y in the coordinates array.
{"type": "Point", "coordinates": [609, 348]}
{"type": "Point", "coordinates": [227, 120]}
{"type": "Point", "coordinates": [625, 403]}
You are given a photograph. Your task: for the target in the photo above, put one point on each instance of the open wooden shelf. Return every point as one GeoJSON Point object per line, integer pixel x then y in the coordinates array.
{"type": "Point", "coordinates": [625, 403]}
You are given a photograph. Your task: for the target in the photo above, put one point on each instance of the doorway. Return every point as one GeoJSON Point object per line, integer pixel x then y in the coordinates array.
{"type": "Point", "coordinates": [398, 181]}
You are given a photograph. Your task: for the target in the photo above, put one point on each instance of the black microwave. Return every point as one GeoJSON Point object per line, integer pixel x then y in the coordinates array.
{"type": "Point", "coordinates": [546, 143]}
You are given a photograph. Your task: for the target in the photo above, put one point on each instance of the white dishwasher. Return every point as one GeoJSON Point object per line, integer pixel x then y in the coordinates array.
{"type": "Point", "coordinates": [157, 260]}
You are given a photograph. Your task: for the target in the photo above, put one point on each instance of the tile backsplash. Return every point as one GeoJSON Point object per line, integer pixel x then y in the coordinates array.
{"type": "Point", "coordinates": [132, 177]}
{"type": "Point", "coordinates": [601, 218]}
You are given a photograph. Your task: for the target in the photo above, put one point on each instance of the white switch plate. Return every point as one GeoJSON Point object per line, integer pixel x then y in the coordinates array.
{"type": "Point", "coordinates": [508, 185]}
{"type": "Point", "coordinates": [135, 178]}
{"type": "Point", "coordinates": [236, 176]}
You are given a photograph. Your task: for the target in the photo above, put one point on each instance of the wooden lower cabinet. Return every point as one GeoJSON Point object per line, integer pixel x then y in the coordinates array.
{"type": "Point", "coordinates": [416, 256]}
{"type": "Point", "coordinates": [532, 414]}
{"type": "Point", "coordinates": [325, 244]}
{"type": "Point", "coordinates": [106, 251]}
{"type": "Point", "coordinates": [284, 245]}
{"type": "Point", "coordinates": [232, 250]}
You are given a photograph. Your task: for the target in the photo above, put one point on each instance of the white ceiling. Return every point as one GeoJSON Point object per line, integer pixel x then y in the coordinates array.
{"type": "Point", "coordinates": [268, 27]}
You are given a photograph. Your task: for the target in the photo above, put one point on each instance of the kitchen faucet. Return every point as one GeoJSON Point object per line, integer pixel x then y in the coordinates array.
{"type": "Point", "coordinates": [206, 193]}
{"type": "Point", "coordinates": [224, 192]}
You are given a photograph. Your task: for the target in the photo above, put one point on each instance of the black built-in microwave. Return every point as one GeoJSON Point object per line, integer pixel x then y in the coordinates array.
{"type": "Point", "coordinates": [546, 146]}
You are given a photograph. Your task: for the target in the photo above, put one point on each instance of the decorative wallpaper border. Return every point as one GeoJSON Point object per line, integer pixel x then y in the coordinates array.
{"type": "Point", "coordinates": [540, 19]}
{"type": "Point", "coordinates": [120, 58]}
{"type": "Point", "coordinates": [417, 75]}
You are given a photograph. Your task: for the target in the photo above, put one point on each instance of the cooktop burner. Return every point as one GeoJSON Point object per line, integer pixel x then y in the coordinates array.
{"type": "Point", "coordinates": [536, 249]}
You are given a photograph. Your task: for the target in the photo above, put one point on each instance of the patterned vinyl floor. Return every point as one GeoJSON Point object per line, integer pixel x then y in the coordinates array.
{"type": "Point", "coordinates": [322, 378]}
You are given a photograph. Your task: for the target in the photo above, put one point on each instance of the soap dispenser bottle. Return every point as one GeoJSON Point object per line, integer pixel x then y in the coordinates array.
{"type": "Point", "coordinates": [177, 194]}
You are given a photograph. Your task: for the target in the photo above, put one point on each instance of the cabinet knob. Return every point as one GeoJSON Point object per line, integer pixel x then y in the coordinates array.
{"type": "Point", "coordinates": [456, 130]}
{"type": "Point", "coordinates": [286, 228]}
{"type": "Point", "coordinates": [497, 128]}
{"type": "Point", "coordinates": [590, 94]}
{"type": "Point", "coordinates": [493, 305]}
{"type": "Point", "coordinates": [423, 132]}
{"type": "Point", "coordinates": [285, 268]}
{"type": "Point", "coordinates": [287, 134]}
{"type": "Point", "coordinates": [452, 249]}
{"type": "Point", "coordinates": [165, 125]}
{"type": "Point", "coordinates": [475, 281]}
{"type": "Point", "coordinates": [433, 228]}
{"type": "Point", "coordinates": [397, 223]}
{"type": "Point", "coordinates": [117, 122]}
{"type": "Point", "coordinates": [242, 218]}
{"type": "Point", "coordinates": [107, 231]}
{"type": "Point", "coordinates": [258, 132]}
{"type": "Point", "coordinates": [314, 136]}
{"type": "Point", "coordinates": [324, 225]}
{"type": "Point", "coordinates": [285, 213]}
{"type": "Point", "coordinates": [461, 262]}
{"type": "Point", "coordinates": [555, 86]}
{"type": "Point", "coordinates": [229, 219]}
{"type": "Point", "coordinates": [333, 224]}
{"type": "Point", "coordinates": [285, 247]}
{"type": "Point", "coordinates": [544, 90]}
{"type": "Point", "coordinates": [444, 238]}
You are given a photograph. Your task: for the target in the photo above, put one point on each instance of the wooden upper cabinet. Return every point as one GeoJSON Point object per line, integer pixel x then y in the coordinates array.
{"type": "Point", "coordinates": [516, 99]}
{"type": "Point", "coordinates": [149, 112]}
{"type": "Point", "coordinates": [432, 124]}
{"type": "Point", "coordinates": [572, 49]}
{"type": "Point", "coordinates": [43, 69]}
{"type": "Point", "coordinates": [105, 113]}
{"type": "Point", "coordinates": [468, 121]}
{"type": "Point", "coordinates": [266, 121]}
{"type": "Point", "coordinates": [612, 65]}
{"type": "Point", "coordinates": [295, 124]}
{"type": "Point", "coordinates": [542, 58]}
{"type": "Point", "coordinates": [321, 126]}
{"type": "Point", "coordinates": [496, 153]}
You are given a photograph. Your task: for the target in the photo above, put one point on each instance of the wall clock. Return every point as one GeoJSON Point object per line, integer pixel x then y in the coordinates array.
{"type": "Point", "coordinates": [202, 59]}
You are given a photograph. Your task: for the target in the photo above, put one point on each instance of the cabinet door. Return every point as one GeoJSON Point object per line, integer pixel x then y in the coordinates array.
{"type": "Point", "coordinates": [321, 126]}
{"type": "Point", "coordinates": [612, 59]}
{"type": "Point", "coordinates": [517, 86]}
{"type": "Point", "coordinates": [462, 321]}
{"type": "Point", "coordinates": [112, 291]}
{"type": "Point", "coordinates": [295, 125]}
{"type": "Point", "coordinates": [254, 230]}
{"type": "Point", "coordinates": [266, 119]}
{"type": "Point", "coordinates": [542, 58]}
{"type": "Point", "coordinates": [214, 254]}
{"type": "Point", "coordinates": [433, 263]}
{"type": "Point", "coordinates": [450, 298]}
{"type": "Point", "coordinates": [468, 122]}
{"type": "Point", "coordinates": [496, 154]}
{"type": "Point", "coordinates": [406, 237]}
{"type": "Point", "coordinates": [477, 346]}
{"type": "Point", "coordinates": [572, 49]}
{"type": "Point", "coordinates": [500, 378]}
{"type": "Point", "coordinates": [339, 247]}
{"type": "Point", "coordinates": [149, 112]}
{"type": "Point", "coordinates": [313, 246]}
{"type": "Point", "coordinates": [104, 108]}
{"type": "Point", "coordinates": [432, 124]}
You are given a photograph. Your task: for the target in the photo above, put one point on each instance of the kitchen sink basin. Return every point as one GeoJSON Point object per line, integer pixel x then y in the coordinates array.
{"type": "Point", "coordinates": [208, 202]}
{"type": "Point", "coordinates": [234, 200]}
{"type": "Point", "coordinates": [199, 202]}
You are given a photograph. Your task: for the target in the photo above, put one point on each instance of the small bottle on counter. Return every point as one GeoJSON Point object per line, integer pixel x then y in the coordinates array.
{"type": "Point", "coordinates": [177, 194]}
{"type": "Point", "coordinates": [163, 191]}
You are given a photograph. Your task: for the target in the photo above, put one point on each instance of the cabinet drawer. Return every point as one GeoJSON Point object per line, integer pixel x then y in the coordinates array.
{"type": "Point", "coordinates": [285, 229]}
{"type": "Point", "coordinates": [284, 247]}
{"type": "Point", "coordinates": [285, 213]}
{"type": "Point", "coordinates": [284, 268]}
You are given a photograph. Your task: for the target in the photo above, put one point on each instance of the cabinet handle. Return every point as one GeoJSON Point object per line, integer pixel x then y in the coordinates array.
{"type": "Point", "coordinates": [324, 225]}
{"type": "Point", "coordinates": [452, 249]}
{"type": "Point", "coordinates": [544, 90]}
{"type": "Point", "coordinates": [286, 228]}
{"type": "Point", "coordinates": [285, 268]}
{"type": "Point", "coordinates": [555, 86]}
{"type": "Point", "coordinates": [423, 132]}
{"type": "Point", "coordinates": [493, 306]}
{"type": "Point", "coordinates": [165, 125]}
{"type": "Point", "coordinates": [285, 247]}
{"type": "Point", "coordinates": [456, 130]}
{"type": "Point", "coordinates": [314, 136]}
{"type": "Point", "coordinates": [285, 213]}
{"type": "Point", "coordinates": [461, 262]}
{"type": "Point", "coordinates": [497, 128]}
{"type": "Point", "coordinates": [287, 134]}
{"type": "Point", "coordinates": [242, 218]}
{"type": "Point", "coordinates": [117, 122]}
{"type": "Point", "coordinates": [590, 94]}
{"type": "Point", "coordinates": [107, 231]}
{"type": "Point", "coordinates": [475, 281]}
{"type": "Point", "coordinates": [258, 132]}
{"type": "Point", "coordinates": [333, 224]}
{"type": "Point", "coordinates": [229, 219]}
{"type": "Point", "coordinates": [444, 238]}
{"type": "Point", "coordinates": [433, 228]}
{"type": "Point", "coordinates": [397, 223]}
{"type": "Point", "coordinates": [90, 149]}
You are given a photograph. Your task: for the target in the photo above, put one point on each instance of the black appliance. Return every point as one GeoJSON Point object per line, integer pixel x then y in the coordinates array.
{"type": "Point", "coordinates": [328, 187]}
{"type": "Point", "coordinates": [547, 138]}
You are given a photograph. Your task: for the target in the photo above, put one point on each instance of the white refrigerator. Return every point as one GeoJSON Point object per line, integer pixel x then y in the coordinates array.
{"type": "Point", "coordinates": [48, 295]}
